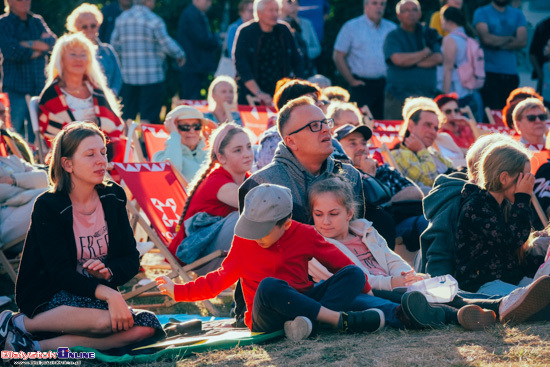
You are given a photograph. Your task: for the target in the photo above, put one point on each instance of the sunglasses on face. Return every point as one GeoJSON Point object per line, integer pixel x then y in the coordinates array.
{"type": "Point", "coordinates": [533, 118]}
{"type": "Point", "coordinates": [91, 26]}
{"type": "Point", "coordinates": [187, 128]}
{"type": "Point", "coordinates": [451, 110]}
{"type": "Point", "coordinates": [316, 125]}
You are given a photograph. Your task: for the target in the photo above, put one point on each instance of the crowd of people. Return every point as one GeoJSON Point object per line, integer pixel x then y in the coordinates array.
{"type": "Point", "coordinates": [309, 213]}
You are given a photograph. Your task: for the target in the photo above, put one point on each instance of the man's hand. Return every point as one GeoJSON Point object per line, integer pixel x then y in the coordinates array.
{"type": "Point", "coordinates": [180, 61]}
{"type": "Point", "coordinates": [356, 83]}
{"type": "Point", "coordinates": [414, 143]}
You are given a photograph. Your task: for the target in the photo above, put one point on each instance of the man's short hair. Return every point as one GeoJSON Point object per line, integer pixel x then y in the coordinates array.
{"type": "Point", "coordinates": [243, 3]}
{"type": "Point", "coordinates": [259, 5]}
{"type": "Point", "coordinates": [293, 89]}
{"type": "Point", "coordinates": [286, 111]}
{"type": "Point", "coordinates": [403, 2]}
{"type": "Point", "coordinates": [413, 108]}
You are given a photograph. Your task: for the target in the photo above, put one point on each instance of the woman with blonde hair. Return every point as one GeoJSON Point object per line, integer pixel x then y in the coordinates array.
{"type": "Point", "coordinates": [222, 97]}
{"type": "Point", "coordinates": [87, 19]}
{"type": "Point", "coordinates": [494, 223]}
{"type": "Point", "coordinates": [76, 90]}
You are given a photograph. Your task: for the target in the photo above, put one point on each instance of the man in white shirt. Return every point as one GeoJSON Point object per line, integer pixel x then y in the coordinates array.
{"type": "Point", "coordinates": [359, 56]}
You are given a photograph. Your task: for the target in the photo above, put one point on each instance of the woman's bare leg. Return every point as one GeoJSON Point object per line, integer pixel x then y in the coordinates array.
{"type": "Point", "coordinates": [117, 340]}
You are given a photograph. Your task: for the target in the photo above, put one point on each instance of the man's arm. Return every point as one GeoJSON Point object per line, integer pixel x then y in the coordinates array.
{"type": "Point", "coordinates": [433, 60]}
{"type": "Point", "coordinates": [408, 59]}
{"type": "Point", "coordinates": [517, 42]}
{"type": "Point", "coordinates": [489, 39]}
{"type": "Point", "coordinates": [339, 58]}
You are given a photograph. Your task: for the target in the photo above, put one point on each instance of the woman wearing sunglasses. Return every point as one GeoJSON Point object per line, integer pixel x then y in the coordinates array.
{"type": "Point", "coordinates": [185, 147]}
{"type": "Point", "coordinates": [530, 123]}
{"type": "Point", "coordinates": [87, 19]}
{"type": "Point", "coordinates": [454, 123]}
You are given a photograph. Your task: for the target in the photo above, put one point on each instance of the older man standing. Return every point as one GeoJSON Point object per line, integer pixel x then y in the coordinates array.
{"type": "Point", "coordinates": [142, 43]}
{"type": "Point", "coordinates": [359, 56]}
{"type": "Point", "coordinates": [412, 53]}
{"type": "Point", "coordinates": [25, 41]}
{"type": "Point", "coordinates": [264, 52]}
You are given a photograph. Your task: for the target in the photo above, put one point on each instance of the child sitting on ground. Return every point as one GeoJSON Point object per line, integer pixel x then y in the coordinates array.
{"type": "Point", "coordinates": [270, 253]}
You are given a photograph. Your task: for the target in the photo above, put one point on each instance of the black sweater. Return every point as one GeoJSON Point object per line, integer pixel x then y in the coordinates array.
{"type": "Point", "coordinates": [49, 259]}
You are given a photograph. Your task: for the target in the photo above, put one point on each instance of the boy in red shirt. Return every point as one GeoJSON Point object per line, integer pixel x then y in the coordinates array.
{"type": "Point", "coordinates": [270, 254]}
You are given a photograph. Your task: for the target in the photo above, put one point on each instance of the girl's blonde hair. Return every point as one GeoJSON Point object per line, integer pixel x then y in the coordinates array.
{"type": "Point", "coordinates": [65, 145]}
{"type": "Point", "coordinates": [93, 72]}
{"type": "Point", "coordinates": [220, 79]}
{"type": "Point", "coordinates": [85, 8]}
{"type": "Point", "coordinates": [498, 158]}
{"type": "Point", "coordinates": [226, 132]}
{"type": "Point", "coordinates": [339, 187]}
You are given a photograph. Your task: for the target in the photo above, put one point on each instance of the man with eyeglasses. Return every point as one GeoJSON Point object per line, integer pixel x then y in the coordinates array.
{"type": "Point", "coordinates": [25, 41]}
{"type": "Point", "coordinates": [303, 157]}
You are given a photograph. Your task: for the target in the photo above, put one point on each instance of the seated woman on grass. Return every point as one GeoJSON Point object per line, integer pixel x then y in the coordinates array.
{"type": "Point", "coordinates": [494, 224]}
{"type": "Point", "coordinates": [79, 248]}
{"type": "Point", "coordinates": [210, 213]}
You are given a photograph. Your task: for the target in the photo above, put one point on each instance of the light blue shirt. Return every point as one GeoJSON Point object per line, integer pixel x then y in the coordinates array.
{"type": "Point", "coordinates": [499, 23]}
{"type": "Point", "coordinates": [231, 33]}
{"type": "Point", "coordinates": [363, 43]}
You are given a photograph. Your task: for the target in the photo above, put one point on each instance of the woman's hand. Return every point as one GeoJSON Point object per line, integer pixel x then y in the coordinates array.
{"type": "Point", "coordinates": [166, 286]}
{"type": "Point", "coordinates": [525, 184]}
{"type": "Point", "coordinates": [405, 279]}
{"type": "Point", "coordinates": [97, 269]}
{"type": "Point", "coordinates": [121, 316]}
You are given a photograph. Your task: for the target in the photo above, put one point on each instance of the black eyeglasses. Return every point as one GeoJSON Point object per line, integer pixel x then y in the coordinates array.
{"type": "Point", "coordinates": [533, 118]}
{"type": "Point", "coordinates": [91, 26]}
{"type": "Point", "coordinates": [316, 125]}
{"type": "Point", "coordinates": [186, 128]}
{"type": "Point", "coordinates": [451, 110]}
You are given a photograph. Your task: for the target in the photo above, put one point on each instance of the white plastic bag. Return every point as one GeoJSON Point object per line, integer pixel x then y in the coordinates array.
{"type": "Point", "coordinates": [441, 289]}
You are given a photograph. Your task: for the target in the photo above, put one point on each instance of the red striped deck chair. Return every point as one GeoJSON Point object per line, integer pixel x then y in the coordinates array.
{"type": "Point", "coordinates": [388, 125]}
{"type": "Point", "coordinates": [489, 129]}
{"type": "Point", "coordinates": [154, 136]}
{"type": "Point", "coordinates": [390, 138]}
{"type": "Point", "coordinates": [161, 196]}
{"type": "Point", "coordinates": [255, 118]}
{"type": "Point", "coordinates": [494, 117]}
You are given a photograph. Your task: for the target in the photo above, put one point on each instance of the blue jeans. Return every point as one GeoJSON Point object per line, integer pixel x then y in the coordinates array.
{"type": "Point", "coordinates": [410, 230]}
{"type": "Point", "coordinates": [500, 288]}
{"type": "Point", "coordinates": [19, 112]}
{"type": "Point", "coordinates": [276, 301]}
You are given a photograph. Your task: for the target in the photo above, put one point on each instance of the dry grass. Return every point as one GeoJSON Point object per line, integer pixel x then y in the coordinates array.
{"type": "Point", "coordinates": [525, 345]}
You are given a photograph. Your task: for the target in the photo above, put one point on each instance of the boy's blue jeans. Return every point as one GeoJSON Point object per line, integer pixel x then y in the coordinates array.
{"type": "Point", "coordinates": [276, 301]}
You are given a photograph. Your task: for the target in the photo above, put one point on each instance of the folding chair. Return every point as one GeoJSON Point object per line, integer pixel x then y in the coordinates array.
{"type": "Point", "coordinates": [133, 152]}
{"type": "Point", "coordinates": [154, 137]}
{"type": "Point", "coordinates": [161, 196]}
{"type": "Point", "coordinates": [385, 151]}
{"type": "Point", "coordinates": [494, 117]}
{"type": "Point", "coordinates": [199, 104]}
{"type": "Point", "coordinates": [538, 159]}
{"type": "Point", "coordinates": [471, 121]}
{"type": "Point", "coordinates": [10, 266]}
{"type": "Point", "coordinates": [388, 125]}
{"type": "Point", "coordinates": [256, 118]}
{"type": "Point", "coordinates": [538, 208]}
{"type": "Point", "coordinates": [40, 143]}
{"type": "Point", "coordinates": [389, 138]}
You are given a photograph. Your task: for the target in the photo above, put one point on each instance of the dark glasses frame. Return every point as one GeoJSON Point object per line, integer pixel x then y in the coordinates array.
{"type": "Point", "coordinates": [319, 127]}
{"type": "Point", "coordinates": [532, 118]}
{"type": "Point", "coordinates": [187, 128]}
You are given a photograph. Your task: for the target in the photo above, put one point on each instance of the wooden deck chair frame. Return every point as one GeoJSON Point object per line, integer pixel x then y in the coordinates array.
{"type": "Point", "coordinates": [177, 270]}
{"type": "Point", "coordinates": [10, 266]}
{"type": "Point", "coordinates": [386, 154]}
{"type": "Point", "coordinates": [40, 143]}
{"type": "Point", "coordinates": [490, 116]}
{"type": "Point", "coordinates": [538, 208]}
{"type": "Point", "coordinates": [13, 147]}
{"type": "Point", "coordinates": [133, 138]}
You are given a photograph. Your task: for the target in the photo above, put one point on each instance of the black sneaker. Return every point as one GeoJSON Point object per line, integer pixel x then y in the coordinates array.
{"type": "Point", "coordinates": [5, 326]}
{"type": "Point", "coordinates": [357, 322]}
{"type": "Point", "coordinates": [17, 341]}
{"type": "Point", "coordinates": [419, 312]}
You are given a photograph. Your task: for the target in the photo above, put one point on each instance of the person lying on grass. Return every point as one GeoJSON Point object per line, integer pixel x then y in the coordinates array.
{"type": "Point", "coordinates": [332, 207]}
{"type": "Point", "coordinates": [270, 253]}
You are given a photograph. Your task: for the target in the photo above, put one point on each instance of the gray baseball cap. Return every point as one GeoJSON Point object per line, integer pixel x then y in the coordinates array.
{"type": "Point", "coordinates": [264, 206]}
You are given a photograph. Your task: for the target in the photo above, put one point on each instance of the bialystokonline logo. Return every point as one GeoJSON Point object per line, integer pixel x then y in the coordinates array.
{"type": "Point", "coordinates": [62, 354]}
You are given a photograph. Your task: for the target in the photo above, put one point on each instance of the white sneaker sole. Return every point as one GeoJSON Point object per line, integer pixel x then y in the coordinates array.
{"type": "Point", "coordinates": [298, 329]}
{"type": "Point", "coordinates": [532, 302]}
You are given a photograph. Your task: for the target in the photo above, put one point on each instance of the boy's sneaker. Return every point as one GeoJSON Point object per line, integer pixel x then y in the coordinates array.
{"type": "Point", "coordinates": [5, 326]}
{"type": "Point", "coordinates": [298, 329]}
{"type": "Point", "coordinates": [419, 313]}
{"type": "Point", "coordinates": [524, 302]}
{"type": "Point", "coordinates": [357, 322]}
{"type": "Point", "coordinates": [473, 317]}
{"type": "Point", "coordinates": [17, 341]}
